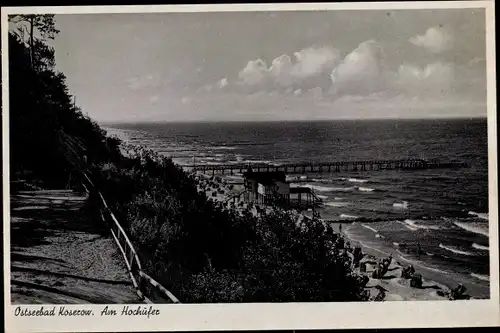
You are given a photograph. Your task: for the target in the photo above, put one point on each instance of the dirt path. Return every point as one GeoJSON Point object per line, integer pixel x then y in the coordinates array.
{"type": "Point", "coordinates": [60, 255]}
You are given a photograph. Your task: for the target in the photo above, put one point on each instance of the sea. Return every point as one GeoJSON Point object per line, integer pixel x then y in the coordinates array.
{"type": "Point", "coordinates": [442, 211]}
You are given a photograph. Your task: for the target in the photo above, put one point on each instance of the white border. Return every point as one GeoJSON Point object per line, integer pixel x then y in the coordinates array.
{"type": "Point", "coordinates": [267, 315]}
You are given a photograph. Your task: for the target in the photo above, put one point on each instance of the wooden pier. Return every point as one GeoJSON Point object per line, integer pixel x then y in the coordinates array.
{"type": "Point", "coordinates": [323, 167]}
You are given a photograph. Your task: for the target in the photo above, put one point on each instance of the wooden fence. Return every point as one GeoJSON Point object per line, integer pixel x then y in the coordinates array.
{"type": "Point", "coordinates": [147, 288]}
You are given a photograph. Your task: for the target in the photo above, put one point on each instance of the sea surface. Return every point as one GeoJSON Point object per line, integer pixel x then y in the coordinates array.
{"type": "Point", "coordinates": [444, 211]}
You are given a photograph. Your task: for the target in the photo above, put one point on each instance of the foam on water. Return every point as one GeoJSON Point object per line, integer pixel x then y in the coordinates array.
{"type": "Point", "coordinates": [480, 247]}
{"type": "Point", "coordinates": [484, 216]}
{"type": "Point", "coordinates": [355, 240]}
{"type": "Point", "coordinates": [408, 226]}
{"type": "Point", "coordinates": [474, 228]}
{"type": "Point", "coordinates": [355, 180]}
{"type": "Point", "coordinates": [370, 228]}
{"type": "Point", "coordinates": [365, 189]}
{"type": "Point", "coordinates": [336, 204]}
{"type": "Point", "coordinates": [348, 216]}
{"type": "Point", "coordinates": [403, 205]}
{"type": "Point", "coordinates": [416, 226]}
{"type": "Point", "coordinates": [259, 162]}
{"type": "Point", "coordinates": [418, 263]}
{"type": "Point", "coordinates": [455, 250]}
{"type": "Point", "coordinates": [480, 276]}
{"type": "Point", "coordinates": [328, 189]}
{"type": "Point", "coordinates": [222, 148]}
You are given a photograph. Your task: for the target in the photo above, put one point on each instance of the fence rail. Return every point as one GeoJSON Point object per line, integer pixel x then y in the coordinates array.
{"type": "Point", "coordinates": [147, 288]}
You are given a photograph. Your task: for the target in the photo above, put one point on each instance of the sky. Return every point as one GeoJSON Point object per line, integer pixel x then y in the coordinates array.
{"type": "Point", "coordinates": [259, 66]}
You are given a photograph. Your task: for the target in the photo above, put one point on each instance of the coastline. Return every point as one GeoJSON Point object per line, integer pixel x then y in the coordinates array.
{"type": "Point", "coordinates": [447, 280]}
{"type": "Point", "coordinates": [436, 284]}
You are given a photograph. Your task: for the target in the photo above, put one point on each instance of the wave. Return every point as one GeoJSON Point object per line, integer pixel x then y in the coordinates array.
{"type": "Point", "coordinates": [403, 204]}
{"type": "Point", "coordinates": [395, 244]}
{"type": "Point", "coordinates": [365, 189]}
{"type": "Point", "coordinates": [474, 228]}
{"type": "Point", "coordinates": [355, 240]}
{"type": "Point", "coordinates": [266, 162]}
{"type": "Point", "coordinates": [368, 227]}
{"type": "Point", "coordinates": [418, 263]}
{"type": "Point", "coordinates": [408, 226]}
{"type": "Point", "coordinates": [322, 197]}
{"type": "Point", "coordinates": [336, 204]}
{"type": "Point", "coordinates": [480, 247]}
{"type": "Point", "coordinates": [480, 276]}
{"type": "Point", "coordinates": [211, 158]}
{"type": "Point", "coordinates": [455, 250]}
{"type": "Point", "coordinates": [379, 236]}
{"type": "Point", "coordinates": [420, 226]}
{"type": "Point", "coordinates": [222, 148]}
{"type": "Point", "coordinates": [348, 216]}
{"type": "Point", "coordinates": [484, 216]}
{"type": "Point", "coordinates": [355, 180]}
{"type": "Point", "coordinates": [328, 189]}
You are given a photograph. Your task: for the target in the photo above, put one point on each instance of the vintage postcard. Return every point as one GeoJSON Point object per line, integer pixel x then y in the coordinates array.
{"type": "Point", "coordinates": [277, 166]}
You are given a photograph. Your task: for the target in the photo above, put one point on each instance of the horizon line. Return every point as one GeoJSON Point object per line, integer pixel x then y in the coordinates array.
{"type": "Point", "coordinates": [127, 122]}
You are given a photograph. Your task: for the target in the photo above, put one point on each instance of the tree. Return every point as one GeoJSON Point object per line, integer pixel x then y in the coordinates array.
{"type": "Point", "coordinates": [28, 24]}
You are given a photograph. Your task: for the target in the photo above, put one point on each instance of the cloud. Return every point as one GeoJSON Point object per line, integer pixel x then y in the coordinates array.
{"type": "Point", "coordinates": [141, 82]}
{"type": "Point", "coordinates": [222, 83]}
{"type": "Point", "coordinates": [185, 100]}
{"type": "Point", "coordinates": [435, 40]}
{"type": "Point", "coordinates": [313, 61]}
{"type": "Point", "coordinates": [362, 72]}
{"type": "Point", "coordinates": [254, 73]}
{"type": "Point", "coordinates": [318, 75]}
{"type": "Point", "coordinates": [433, 78]}
{"type": "Point", "coordinates": [280, 70]}
{"type": "Point", "coordinates": [306, 69]}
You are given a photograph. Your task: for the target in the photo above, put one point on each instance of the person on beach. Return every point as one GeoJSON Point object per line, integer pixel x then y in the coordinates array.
{"type": "Point", "coordinates": [340, 227]}
{"type": "Point", "coordinates": [419, 250]}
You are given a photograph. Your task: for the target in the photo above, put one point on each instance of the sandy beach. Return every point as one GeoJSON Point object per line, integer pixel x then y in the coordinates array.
{"type": "Point", "coordinates": [435, 285]}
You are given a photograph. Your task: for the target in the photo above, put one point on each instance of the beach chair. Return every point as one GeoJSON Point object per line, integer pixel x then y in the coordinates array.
{"type": "Point", "coordinates": [416, 281]}
{"type": "Point", "coordinates": [379, 272]}
{"type": "Point", "coordinates": [458, 293]}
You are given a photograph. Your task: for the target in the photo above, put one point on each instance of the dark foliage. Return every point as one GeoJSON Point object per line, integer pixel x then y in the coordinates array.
{"type": "Point", "coordinates": [39, 108]}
